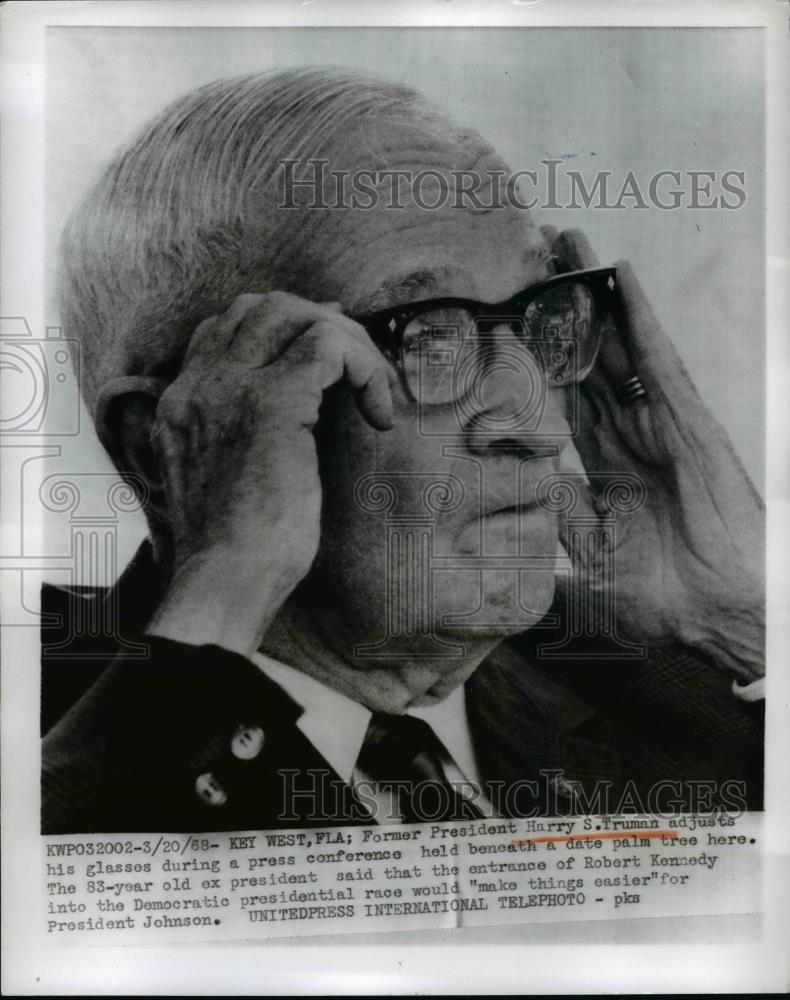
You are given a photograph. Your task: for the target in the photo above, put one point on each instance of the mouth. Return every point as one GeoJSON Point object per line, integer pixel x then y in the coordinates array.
{"type": "Point", "coordinates": [528, 504]}
{"type": "Point", "coordinates": [512, 514]}
{"type": "Point", "coordinates": [521, 508]}
{"type": "Point", "coordinates": [504, 528]}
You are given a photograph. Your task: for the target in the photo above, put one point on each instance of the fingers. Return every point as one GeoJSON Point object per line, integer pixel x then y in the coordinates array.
{"type": "Point", "coordinates": [585, 507]}
{"type": "Point", "coordinates": [366, 374]}
{"type": "Point", "coordinates": [585, 439]}
{"type": "Point", "coordinates": [214, 335]}
{"type": "Point", "coordinates": [269, 327]}
{"type": "Point", "coordinates": [375, 400]}
{"type": "Point", "coordinates": [614, 366]}
{"type": "Point", "coordinates": [571, 248]}
{"type": "Point", "coordinates": [575, 250]}
{"type": "Point", "coordinates": [550, 234]}
{"type": "Point", "coordinates": [327, 353]}
{"type": "Point", "coordinates": [652, 353]}
{"type": "Point", "coordinates": [255, 329]}
{"type": "Point", "coordinates": [176, 462]}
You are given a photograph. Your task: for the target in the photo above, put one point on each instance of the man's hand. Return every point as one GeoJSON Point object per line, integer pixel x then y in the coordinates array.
{"type": "Point", "coordinates": [234, 435]}
{"type": "Point", "coordinates": [689, 562]}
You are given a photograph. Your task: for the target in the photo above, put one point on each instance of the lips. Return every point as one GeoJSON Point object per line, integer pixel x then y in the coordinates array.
{"type": "Point", "coordinates": [504, 512]}
{"type": "Point", "coordinates": [515, 511]}
{"type": "Point", "coordinates": [507, 489]}
{"type": "Point", "coordinates": [495, 506]}
{"type": "Point", "coordinates": [505, 530]}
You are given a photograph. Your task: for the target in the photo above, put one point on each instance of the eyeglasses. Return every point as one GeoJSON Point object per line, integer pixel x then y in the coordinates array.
{"type": "Point", "coordinates": [442, 345]}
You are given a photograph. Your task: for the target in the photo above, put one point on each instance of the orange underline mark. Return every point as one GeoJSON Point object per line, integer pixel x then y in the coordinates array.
{"type": "Point", "coordinates": [612, 835]}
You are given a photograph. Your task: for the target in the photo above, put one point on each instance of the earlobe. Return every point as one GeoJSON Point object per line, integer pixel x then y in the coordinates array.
{"type": "Point", "coordinates": [125, 414]}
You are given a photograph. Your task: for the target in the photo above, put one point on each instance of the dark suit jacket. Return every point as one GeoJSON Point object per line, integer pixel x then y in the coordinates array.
{"type": "Point", "coordinates": [130, 722]}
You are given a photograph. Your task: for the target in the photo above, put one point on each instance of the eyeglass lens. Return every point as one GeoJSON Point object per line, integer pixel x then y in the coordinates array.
{"type": "Point", "coordinates": [559, 331]}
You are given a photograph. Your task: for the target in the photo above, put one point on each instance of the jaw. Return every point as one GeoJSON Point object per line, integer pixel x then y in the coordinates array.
{"type": "Point", "coordinates": [496, 605]}
{"type": "Point", "coordinates": [397, 672]}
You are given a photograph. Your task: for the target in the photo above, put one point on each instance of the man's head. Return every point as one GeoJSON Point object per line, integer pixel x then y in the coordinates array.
{"type": "Point", "coordinates": [430, 530]}
{"type": "Point", "coordinates": [186, 216]}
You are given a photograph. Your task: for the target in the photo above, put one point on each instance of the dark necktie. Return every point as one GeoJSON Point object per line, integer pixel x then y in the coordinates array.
{"type": "Point", "coordinates": [405, 753]}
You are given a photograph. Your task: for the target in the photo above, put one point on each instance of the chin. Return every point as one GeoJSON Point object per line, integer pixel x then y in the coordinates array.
{"type": "Point", "coordinates": [497, 606]}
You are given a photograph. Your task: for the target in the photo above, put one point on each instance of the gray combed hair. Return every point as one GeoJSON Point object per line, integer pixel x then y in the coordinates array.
{"type": "Point", "coordinates": [176, 226]}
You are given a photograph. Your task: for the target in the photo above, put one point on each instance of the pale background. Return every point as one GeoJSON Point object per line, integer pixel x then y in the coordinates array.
{"type": "Point", "coordinates": [639, 99]}
{"type": "Point", "coordinates": [697, 954]}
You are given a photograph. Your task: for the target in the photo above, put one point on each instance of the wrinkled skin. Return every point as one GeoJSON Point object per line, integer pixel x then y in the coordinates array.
{"type": "Point", "coordinates": [271, 547]}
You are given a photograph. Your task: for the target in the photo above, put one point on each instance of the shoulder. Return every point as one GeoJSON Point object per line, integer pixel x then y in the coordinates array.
{"type": "Point", "coordinates": [57, 602]}
{"type": "Point", "coordinates": [73, 651]}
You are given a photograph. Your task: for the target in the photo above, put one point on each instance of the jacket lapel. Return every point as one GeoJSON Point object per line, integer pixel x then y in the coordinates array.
{"type": "Point", "coordinates": [525, 725]}
{"type": "Point", "coordinates": [535, 738]}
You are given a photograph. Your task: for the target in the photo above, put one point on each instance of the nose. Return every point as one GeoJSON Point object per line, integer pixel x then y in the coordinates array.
{"type": "Point", "coordinates": [508, 405]}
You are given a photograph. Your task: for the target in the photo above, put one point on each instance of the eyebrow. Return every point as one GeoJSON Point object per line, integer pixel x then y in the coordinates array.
{"type": "Point", "coordinates": [423, 283]}
{"type": "Point", "coordinates": [406, 288]}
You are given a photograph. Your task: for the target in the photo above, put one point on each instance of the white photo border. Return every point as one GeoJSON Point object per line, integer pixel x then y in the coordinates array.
{"type": "Point", "coordinates": [608, 957]}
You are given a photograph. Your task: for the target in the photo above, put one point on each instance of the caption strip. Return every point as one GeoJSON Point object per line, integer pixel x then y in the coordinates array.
{"type": "Point", "coordinates": [134, 889]}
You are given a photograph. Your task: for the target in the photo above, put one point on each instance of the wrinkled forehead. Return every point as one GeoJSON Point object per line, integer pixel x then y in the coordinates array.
{"type": "Point", "coordinates": [404, 211]}
{"type": "Point", "coordinates": [488, 258]}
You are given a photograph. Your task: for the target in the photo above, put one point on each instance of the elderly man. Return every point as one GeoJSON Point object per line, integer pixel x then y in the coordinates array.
{"type": "Point", "coordinates": [346, 423]}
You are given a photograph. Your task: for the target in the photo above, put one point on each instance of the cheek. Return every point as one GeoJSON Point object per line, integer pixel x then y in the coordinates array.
{"type": "Point", "coordinates": [353, 509]}
{"type": "Point", "coordinates": [347, 453]}
{"type": "Point", "coordinates": [351, 454]}
{"type": "Point", "coordinates": [361, 496]}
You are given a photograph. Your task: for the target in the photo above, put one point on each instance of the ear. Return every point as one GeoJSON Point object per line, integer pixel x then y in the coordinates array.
{"type": "Point", "coordinates": [125, 414]}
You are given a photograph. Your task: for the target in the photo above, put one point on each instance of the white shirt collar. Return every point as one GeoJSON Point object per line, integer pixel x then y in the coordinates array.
{"type": "Point", "coordinates": [336, 724]}
{"type": "Point", "coordinates": [449, 721]}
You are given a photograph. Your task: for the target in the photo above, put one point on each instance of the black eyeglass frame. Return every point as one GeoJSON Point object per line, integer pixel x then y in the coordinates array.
{"type": "Point", "coordinates": [387, 327]}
